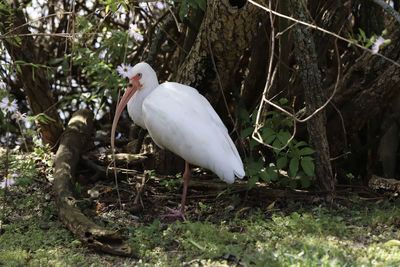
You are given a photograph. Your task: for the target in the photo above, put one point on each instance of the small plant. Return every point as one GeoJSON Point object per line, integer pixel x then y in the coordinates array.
{"type": "Point", "coordinates": [172, 183]}
{"type": "Point", "coordinates": [291, 166]}
{"type": "Point", "coordinates": [186, 4]}
{"type": "Point", "coordinates": [350, 176]}
{"type": "Point", "coordinates": [374, 42]}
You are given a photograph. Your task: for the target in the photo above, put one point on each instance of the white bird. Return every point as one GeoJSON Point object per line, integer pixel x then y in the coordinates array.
{"type": "Point", "coordinates": [180, 119]}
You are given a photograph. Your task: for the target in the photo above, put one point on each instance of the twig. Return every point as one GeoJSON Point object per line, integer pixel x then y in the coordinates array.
{"type": "Point", "coordinates": [340, 156]}
{"type": "Point", "coordinates": [175, 19]}
{"type": "Point", "coordinates": [322, 30]}
{"type": "Point", "coordinates": [64, 35]}
{"type": "Point", "coordinates": [27, 23]}
{"type": "Point", "coordinates": [256, 135]}
{"type": "Point", "coordinates": [388, 9]}
{"type": "Point", "coordinates": [268, 84]}
{"type": "Point", "coordinates": [337, 82]}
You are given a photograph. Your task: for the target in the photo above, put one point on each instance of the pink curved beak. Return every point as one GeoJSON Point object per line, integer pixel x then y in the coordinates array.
{"type": "Point", "coordinates": [130, 91]}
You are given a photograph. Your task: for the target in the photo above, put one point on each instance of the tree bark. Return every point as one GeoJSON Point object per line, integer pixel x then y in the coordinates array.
{"type": "Point", "coordinates": [75, 138]}
{"type": "Point", "coordinates": [226, 31]}
{"type": "Point", "coordinates": [33, 78]}
{"type": "Point", "coordinates": [306, 58]}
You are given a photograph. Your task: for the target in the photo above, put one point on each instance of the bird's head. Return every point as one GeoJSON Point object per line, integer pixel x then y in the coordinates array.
{"type": "Point", "coordinates": [140, 76]}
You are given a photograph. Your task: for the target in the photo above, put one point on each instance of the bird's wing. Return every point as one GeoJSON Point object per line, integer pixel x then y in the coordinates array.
{"type": "Point", "coordinates": [180, 119]}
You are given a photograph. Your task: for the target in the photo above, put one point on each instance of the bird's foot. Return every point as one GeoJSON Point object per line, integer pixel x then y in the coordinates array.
{"type": "Point", "coordinates": [174, 213]}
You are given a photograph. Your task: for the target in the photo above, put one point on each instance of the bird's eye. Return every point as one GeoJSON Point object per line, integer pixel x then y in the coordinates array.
{"type": "Point", "coordinates": [139, 75]}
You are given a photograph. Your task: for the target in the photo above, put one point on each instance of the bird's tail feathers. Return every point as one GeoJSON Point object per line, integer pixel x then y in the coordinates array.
{"type": "Point", "coordinates": [239, 173]}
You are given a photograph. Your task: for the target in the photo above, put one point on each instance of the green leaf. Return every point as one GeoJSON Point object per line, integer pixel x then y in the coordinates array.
{"type": "Point", "coordinates": [307, 165]}
{"type": "Point", "coordinates": [252, 181]}
{"type": "Point", "coordinates": [268, 135]}
{"type": "Point", "coordinates": [305, 181]}
{"type": "Point", "coordinates": [246, 132]}
{"type": "Point", "coordinates": [192, 4]}
{"type": "Point", "coordinates": [292, 184]}
{"type": "Point", "coordinates": [293, 166]}
{"type": "Point", "coordinates": [55, 61]}
{"type": "Point", "coordinates": [287, 123]}
{"type": "Point", "coordinates": [301, 143]}
{"type": "Point", "coordinates": [306, 151]}
{"type": "Point", "coordinates": [18, 40]}
{"type": "Point", "coordinates": [277, 144]}
{"type": "Point", "coordinates": [264, 175]}
{"type": "Point", "coordinates": [254, 166]}
{"type": "Point", "coordinates": [253, 143]}
{"type": "Point", "coordinates": [202, 4]}
{"type": "Point", "coordinates": [283, 101]}
{"type": "Point", "coordinates": [183, 10]}
{"type": "Point", "coordinates": [362, 33]}
{"type": "Point", "coordinates": [272, 173]}
{"type": "Point", "coordinates": [283, 136]}
{"type": "Point", "coordinates": [43, 118]}
{"type": "Point", "coordinates": [244, 114]}
{"type": "Point", "coordinates": [281, 163]}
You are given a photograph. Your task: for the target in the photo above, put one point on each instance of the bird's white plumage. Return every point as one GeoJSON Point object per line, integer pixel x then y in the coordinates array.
{"type": "Point", "coordinates": [181, 120]}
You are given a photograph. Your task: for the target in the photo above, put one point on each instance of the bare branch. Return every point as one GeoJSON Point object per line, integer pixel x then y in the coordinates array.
{"type": "Point", "coordinates": [324, 31]}
{"type": "Point", "coordinates": [388, 9]}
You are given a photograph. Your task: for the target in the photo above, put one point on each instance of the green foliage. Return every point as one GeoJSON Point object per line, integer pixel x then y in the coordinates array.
{"type": "Point", "coordinates": [363, 40]}
{"type": "Point", "coordinates": [291, 166]}
{"type": "Point", "coordinates": [173, 183]}
{"type": "Point", "coordinates": [186, 4]}
{"type": "Point", "coordinates": [350, 176]}
{"type": "Point", "coordinates": [97, 65]}
{"type": "Point", "coordinates": [42, 118]}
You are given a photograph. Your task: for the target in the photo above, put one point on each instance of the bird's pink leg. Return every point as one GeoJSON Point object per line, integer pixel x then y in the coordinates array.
{"type": "Point", "coordinates": [180, 213]}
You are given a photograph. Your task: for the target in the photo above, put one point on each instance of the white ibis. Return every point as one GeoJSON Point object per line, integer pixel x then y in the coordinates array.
{"type": "Point", "coordinates": [180, 119]}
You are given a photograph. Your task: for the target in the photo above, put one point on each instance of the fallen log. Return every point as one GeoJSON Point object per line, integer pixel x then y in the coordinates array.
{"type": "Point", "coordinates": [378, 183]}
{"type": "Point", "coordinates": [73, 141]}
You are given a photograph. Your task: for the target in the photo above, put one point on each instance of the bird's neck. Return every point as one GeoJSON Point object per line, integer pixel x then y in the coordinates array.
{"type": "Point", "coordinates": [136, 102]}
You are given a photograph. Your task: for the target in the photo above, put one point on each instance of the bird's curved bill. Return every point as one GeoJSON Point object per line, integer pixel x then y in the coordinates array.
{"type": "Point", "coordinates": [130, 91]}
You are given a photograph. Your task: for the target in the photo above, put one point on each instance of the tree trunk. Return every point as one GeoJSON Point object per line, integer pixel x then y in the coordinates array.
{"type": "Point", "coordinates": [314, 96]}
{"type": "Point", "coordinates": [33, 78]}
{"type": "Point", "coordinates": [226, 31]}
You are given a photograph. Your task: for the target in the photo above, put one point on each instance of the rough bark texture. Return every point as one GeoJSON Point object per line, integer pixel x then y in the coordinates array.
{"type": "Point", "coordinates": [314, 96]}
{"type": "Point", "coordinates": [255, 80]}
{"type": "Point", "coordinates": [229, 30]}
{"type": "Point", "coordinates": [73, 141]}
{"type": "Point", "coordinates": [284, 47]}
{"type": "Point", "coordinates": [33, 79]}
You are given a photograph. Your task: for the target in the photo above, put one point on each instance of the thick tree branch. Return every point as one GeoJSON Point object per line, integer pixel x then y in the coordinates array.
{"type": "Point", "coordinates": [74, 139]}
